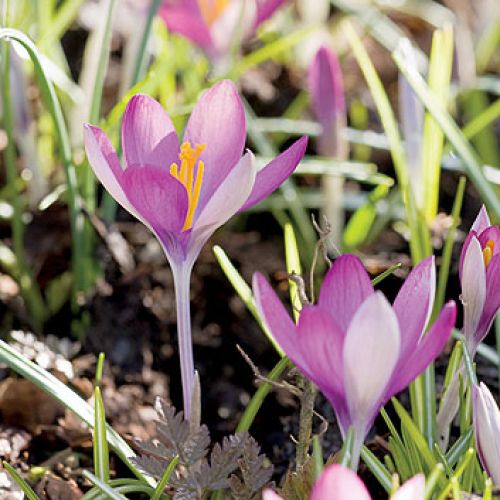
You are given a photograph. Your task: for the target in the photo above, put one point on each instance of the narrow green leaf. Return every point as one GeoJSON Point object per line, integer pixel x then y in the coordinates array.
{"type": "Point", "coordinates": [160, 487]}
{"type": "Point", "coordinates": [293, 266]}
{"type": "Point", "coordinates": [377, 468]}
{"type": "Point", "coordinates": [100, 443]}
{"type": "Point", "coordinates": [105, 488]}
{"type": "Point", "coordinates": [27, 490]}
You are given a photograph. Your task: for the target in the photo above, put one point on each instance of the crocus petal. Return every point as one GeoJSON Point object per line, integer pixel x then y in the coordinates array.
{"type": "Point", "coordinates": [157, 196]}
{"type": "Point", "coordinates": [371, 351]}
{"type": "Point", "coordinates": [269, 494]}
{"type": "Point", "coordinates": [106, 166]}
{"type": "Point", "coordinates": [148, 134]}
{"type": "Point", "coordinates": [339, 483]}
{"type": "Point", "coordinates": [184, 17]}
{"type": "Point", "coordinates": [482, 221]}
{"type": "Point", "coordinates": [413, 489]}
{"type": "Point", "coordinates": [473, 290]}
{"type": "Point", "coordinates": [276, 172]}
{"type": "Point", "coordinates": [486, 419]}
{"type": "Point", "coordinates": [226, 200]}
{"type": "Point", "coordinates": [344, 289]}
{"type": "Point", "coordinates": [276, 318]}
{"type": "Point", "coordinates": [427, 351]}
{"type": "Point", "coordinates": [266, 8]}
{"type": "Point", "coordinates": [414, 303]}
{"type": "Point", "coordinates": [218, 121]}
{"type": "Point", "coordinates": [492, 301]}
{"type": "Point", "coordinates": [491, 233]}
{"type": "Point", "coordinates": [463, 252]}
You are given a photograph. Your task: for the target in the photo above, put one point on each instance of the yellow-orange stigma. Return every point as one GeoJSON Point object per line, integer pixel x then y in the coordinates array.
{"type": "Point", "coordinates": [186, 175]}
{"type": "Point", "coordinates": [488, 252]}
{"type": "Point", "coordinates": [212, 9]}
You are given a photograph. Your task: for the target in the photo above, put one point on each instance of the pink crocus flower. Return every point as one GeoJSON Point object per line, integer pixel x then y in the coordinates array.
{"type": "Point", "coordinates": [486, 420]}
{"type": "Point", "coordinates": [340, 483]}
{"type": "Point", "coordinates": [328, 103]}
{"type": "Point", "coordinates": [357, 348]}
{"type": "Point", "coordinates": [183, 193]}
{"type": "Point", "coordinates": [480, 279]}
{"type": "Point", "coordinates": [214, 25]}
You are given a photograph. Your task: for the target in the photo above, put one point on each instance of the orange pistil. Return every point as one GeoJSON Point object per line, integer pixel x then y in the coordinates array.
{"type": "Point", "coordinates": [186, 175]}
{"type": "Point", "coordinates": [488, 252]}
{"type": "Point", "coordinates": [212, 9]}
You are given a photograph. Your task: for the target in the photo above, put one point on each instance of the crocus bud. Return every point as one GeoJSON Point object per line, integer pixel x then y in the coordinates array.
{"type": "Point", "coordinates": [486, 418]}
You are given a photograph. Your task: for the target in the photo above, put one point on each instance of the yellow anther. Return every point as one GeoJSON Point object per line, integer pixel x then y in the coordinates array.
{"type": "Point", "coordinates": [488, 252]}
{"type": "Point", "coordinates": [212, 9]}
{"type": "Point", "coordinates": [186, 175]}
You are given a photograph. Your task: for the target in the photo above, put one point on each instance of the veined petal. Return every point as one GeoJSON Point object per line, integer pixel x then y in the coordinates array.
{"type": "Point", "coordinates": [465, 247]}
{"type": "Point", "coordinates": [277, 319]}
{"type": "Point", "coordinates": [413, 489]}
{"type": "Point", "coordinates": [106, 166]}
{"type": "Point", "coordinates": [226, 200]}
{"type": "Point", "coordinates": [492, 300]}
{"type": "Point", "coordinates": [429, 348]}
{"type": "Point", "coordinates": [414, 303]}
{"type": "Point", "coordinates": [371, 352]}
{"type": "Point", "coordinates": [473, 290]}
{"type": "Point", "coordinates": [482, 221]}
{"type": "Point", "coordinates": [486, 419]}
{"type": "Point", "coordinates": [276, 172]}
{"type": "Point", "coordinates": [218, 121]}
{"type": "Point", "coordinates": [344, 289]}
{"type": "Point", "coordinates": [339, 483]}
{"type": "Point", "coordinates": [158, 197]}
{"type": "Point", "coordinates": [148, 134]}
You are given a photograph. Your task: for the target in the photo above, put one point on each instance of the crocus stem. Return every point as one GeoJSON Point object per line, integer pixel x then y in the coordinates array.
{"type": "Point", "coordinates": [357, 444]}
{"type": "Point", "coordinates": [305, 421]}
{"type": "Point", "coordinates": [182, 278]}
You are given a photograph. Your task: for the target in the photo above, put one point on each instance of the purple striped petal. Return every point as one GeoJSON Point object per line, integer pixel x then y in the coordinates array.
{"type": "Point", "coordinates": [276, 172]}
{"type": "Point", "coordinates": [482, 221]}
{"type": "Point", "coordinates": [427, 351]}
{"type": "Point", "coordinates": [337, 482]}
{"type": "Point", "coordinates": [465, 246]}
{"type": "Point", "coordinates": [344, 289]}
{"type": "Point", "coordinates": [414, 303]}
{"type": "Point", "coordinates": [491, 233]}
{"type": "Point", "coordinates": [148, 134]}
{"type": "Point", "coordinates": [492, 300]}
{"type": "Point", "coordinates": [218, 121]}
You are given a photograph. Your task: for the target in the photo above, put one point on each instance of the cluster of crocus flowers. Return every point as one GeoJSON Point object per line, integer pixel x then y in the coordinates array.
{"type": "Point", "coordinates": [480, 279]}
{"type": "Point", "coordinates": [184, 192]}
{"type": "Point", "coordinates": [340, 483]}
{"type": "Point", "coordinates": [215, 25]}
{"type": "Point", "coordinates": [357, 348]}
{"type": "Point", "coordinates": [486, 419]}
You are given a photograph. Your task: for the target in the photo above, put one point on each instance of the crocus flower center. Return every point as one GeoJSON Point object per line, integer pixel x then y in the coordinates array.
{"type": "Point", "coordinates": [488, 252]}
{"type": "Point", "coordinates": [212, 9]}
{"type": "Point", "coordinates": [186, 175]}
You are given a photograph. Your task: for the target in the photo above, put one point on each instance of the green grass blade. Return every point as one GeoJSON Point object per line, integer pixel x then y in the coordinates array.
{"type": "Point", "coordinates": [27, 490]}
{"type": "Point", "coordinates": [377, 469]}
{"type": "Point", "coordinates": [101, 453]}
{"type": "Point", "coordinates": [160, 487]}
{"type": "Point", "coordinates": [292, 258]}
{"type": "Point", "coordinates": [105, 488]}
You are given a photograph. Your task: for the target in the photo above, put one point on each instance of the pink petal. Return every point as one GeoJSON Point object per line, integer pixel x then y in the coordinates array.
{"type": "Point", "coordinates": [414, 303]}
{"type": "Point", "coordinates": [265, 9]}
{"type": "Point", "coordinates": [413, 489]}
{"type": "Point", "coordinates": [465, 246]}
{"type": "Point", "coordinates": [269, 494]}
{"type": "Point", "coordinates": [482, 221]}
{"type": "Point", "coordinates": [218, 121]}
{"type": "Point", "coordinates": [158, 197]}
{"type": "Point", "coordinates": [104, 161]}
{"type": "Point", "coordinates": [226, 200]}
{"type": "Point", "coordinates": [344, 289]}
{"type": "Point", "coordinates": [184, 17]}
{"type": "Point", "coordinates": [148, 135]}
{"type": "Point", "coordinates": [276, 172]}
{"type": "Point", "coordinates": [491, 233]}
{"type": "Point", "coordinates": [339, 483]}
{"type": "Point", "coordinates": [371, 352]}
{"type": "Point", "coordinates": [427, 351]}
{"type": "Point", "coordinates": [492, 300]}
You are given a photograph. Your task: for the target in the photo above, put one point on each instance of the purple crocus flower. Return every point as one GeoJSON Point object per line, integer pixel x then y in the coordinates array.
{"type": "Point", "coordinates": [480, 279]}
{"type": "Point", "coordinates": [353, 345]}
{"type": "Point", "coordinates": [486, 419]}
{"type": "Point", "coordinates": [183, 193]}
{"type": "Point", "coordinates": [214, 25]}
{"type": "Point", "coordinates": [337, 482]}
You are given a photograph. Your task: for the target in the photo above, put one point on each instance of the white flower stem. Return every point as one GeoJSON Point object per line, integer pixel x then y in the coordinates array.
{"type": "Point", "coordinates": [182, 278]}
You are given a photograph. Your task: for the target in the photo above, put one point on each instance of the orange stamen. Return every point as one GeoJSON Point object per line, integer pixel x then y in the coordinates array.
{"type": "Point", "coordinates": [212, 9]}
{"type": "Point", "coordinates": [488, 252]}
{"type": "Point", "coordinates": [185, 174]}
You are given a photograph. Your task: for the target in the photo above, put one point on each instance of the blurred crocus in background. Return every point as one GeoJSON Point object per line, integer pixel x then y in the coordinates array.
{"type": "Point", "coordinates": [340, 483]}
{"type": "Point", "coordinates": [353, 345]}
{"type": "Point", "coordinates": [328, 105]}
{"type": "Point", "coordinates": [486, 419]}
{"type": "Point", "coordinates": [183, 193]}
{"type": "Point", "coordinates": [480, 279]}
{"type": "Point", "coordinates": [216, 25]}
